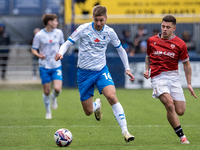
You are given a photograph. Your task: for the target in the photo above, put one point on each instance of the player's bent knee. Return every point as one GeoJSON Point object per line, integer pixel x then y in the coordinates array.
{"type": "Point", "coordinates": [46, 92]}
{"type": "Point", "coordinates": [112, 100]}
{"type": "Point", "coordinates": [57, 90]}
{"type": "Point", "coordinates": [180, 112]}
{"type": "Point", "coordinates": [111, 96]}
{"type": "Point", "coordinates": [88, 113]}
{"type": "Point", "coordinates": [170, 107]}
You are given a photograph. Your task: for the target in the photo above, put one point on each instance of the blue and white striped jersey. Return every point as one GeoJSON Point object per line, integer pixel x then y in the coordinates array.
{"type": "Point", "coordinates": [48, 43]}
{"type": "Point", "coordinates": [93, 45]}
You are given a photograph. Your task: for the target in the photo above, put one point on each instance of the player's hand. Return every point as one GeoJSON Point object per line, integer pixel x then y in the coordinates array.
{"type": "Point", "coordinates": [58, 57]}
{"type": "Point", "coordinates": [42, 56]}
{"type": "Point", "coordinates": [146, 74]}
{"type": "Point", "coordinates": [191, 90]}
{"type": "Point", "coordinates": [128, 72]}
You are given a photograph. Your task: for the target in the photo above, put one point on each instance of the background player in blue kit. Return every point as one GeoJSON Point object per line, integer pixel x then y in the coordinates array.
{"type": "Point", "coordinates": [47, 41]}
{"type": "Point", "coordinates": [92, 69]}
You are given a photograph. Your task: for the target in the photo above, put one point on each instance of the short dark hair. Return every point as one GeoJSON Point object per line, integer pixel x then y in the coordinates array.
{"type": "Point", "coordinates": [99, 10]}
{"type": "Point", "coordinates": [48, 17]}
{"type": "Point", "coordinates": [169, 18]}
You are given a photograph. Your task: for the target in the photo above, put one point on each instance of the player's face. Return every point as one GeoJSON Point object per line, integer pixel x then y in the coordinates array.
{"type": "Point", "coordinates": [99, 22]}
{"type": "Point", "coordinates": [167, 29]}
{"type": "Point", "coordinates": [54, 23]}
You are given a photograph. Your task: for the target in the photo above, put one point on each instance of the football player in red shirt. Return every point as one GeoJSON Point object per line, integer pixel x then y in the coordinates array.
{"type": "Point", "coordinates": [161, 64]}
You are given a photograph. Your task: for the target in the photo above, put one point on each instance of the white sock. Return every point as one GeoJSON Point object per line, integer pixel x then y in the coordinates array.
{"type": "Point", "coordinates": [95, 106]}
{"type": "Point", "coordinates": [56, 94]}
{"type": "Point", "coordinates": [120, 116]}
{"type": "Point", "coordinates": [46, 100]}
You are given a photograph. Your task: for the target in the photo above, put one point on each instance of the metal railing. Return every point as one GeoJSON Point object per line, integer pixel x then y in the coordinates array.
{"type": "Point", "coordinates": [20, 65]}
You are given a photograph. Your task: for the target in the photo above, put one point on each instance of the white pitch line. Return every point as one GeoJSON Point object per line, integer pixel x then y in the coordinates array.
{"type": "Point", "coordinates": [96, 126]}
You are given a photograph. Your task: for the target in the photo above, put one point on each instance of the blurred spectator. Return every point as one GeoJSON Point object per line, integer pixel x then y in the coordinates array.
{"type": "Point", "coordinates": [4, 51]}
{"type": "Point", "coordinates": [34, 58]}
{"type": "Point", "coordinates": [131, 52]}
{"type": "Point", "coordinates": [186, 37]}
{"type": "Point", "coordinates": [142, 35]}
{"type": "Point", "coordinates": [143, 47]}
{"type": "Point", "coordinates": [143, 44]}
{"type": "Point", "coordinates": [155, 31]}
{"type": "Point", "coordinates": [127, 43]}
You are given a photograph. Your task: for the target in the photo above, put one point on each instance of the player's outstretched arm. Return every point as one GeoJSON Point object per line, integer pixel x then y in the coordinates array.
{"type": "Point", "coordinates": [188, 74]}
{"type": "Point", "coordinates": [58, 57]}
{"type": "Point", "coordinates": [35, 52]}
{"type": "Point", "coordinates": [147, 67]}
{"type": "Point", "coordinates": [128, 72]}
{"type": "Point", "coordinates": [191, 90]}
{"type": "Point", "coordinates": [63, 49]}
{"type": "Point", "coordinates": [146, 74]}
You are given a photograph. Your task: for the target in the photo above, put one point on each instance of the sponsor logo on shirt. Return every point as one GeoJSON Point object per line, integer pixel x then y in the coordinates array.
{"type": "Point", "coordinates": [97, 43]}
{"type": "Point", "coordinates": [164, 53]}
{"type": "Point", "coordinates": [97, 40]}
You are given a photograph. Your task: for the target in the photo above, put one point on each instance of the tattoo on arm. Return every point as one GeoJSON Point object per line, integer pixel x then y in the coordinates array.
{"type": "Point", "coordinates": [188, 71]}
{"type": "Point", "coordinates": [147, 63]}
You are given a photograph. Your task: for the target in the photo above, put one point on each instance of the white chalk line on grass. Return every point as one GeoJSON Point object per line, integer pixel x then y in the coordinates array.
{"type": "Point", "coordinates": [96, 126]}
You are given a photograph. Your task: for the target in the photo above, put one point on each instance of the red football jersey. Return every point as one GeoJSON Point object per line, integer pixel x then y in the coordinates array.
{"type": "Point", "coordinates": [165, 54]}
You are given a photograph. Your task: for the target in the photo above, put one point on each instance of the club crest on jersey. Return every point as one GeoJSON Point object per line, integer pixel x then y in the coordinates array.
{"type": "Point", "coordinates": [172, 46]}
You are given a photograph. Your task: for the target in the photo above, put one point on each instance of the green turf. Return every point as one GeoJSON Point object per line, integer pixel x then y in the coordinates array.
{"type": "Point", "coordinates": [23, 125]}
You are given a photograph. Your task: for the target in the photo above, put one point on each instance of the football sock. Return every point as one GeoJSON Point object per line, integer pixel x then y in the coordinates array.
{"type": "Point", "coordinates": [95, 106]}
{"type": "Point", "coordinates": [182, 137]}
{"type": "Point", "coordinates": [178, 130]}
{"type": "Point", "coordinates": [46, 100]}
{"type": "Point", "coordinates": [120, 116]}
{"type": "Point", "coordinates": [56, 94]}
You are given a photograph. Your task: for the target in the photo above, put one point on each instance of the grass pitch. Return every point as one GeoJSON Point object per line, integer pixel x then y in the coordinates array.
{"type": "Point", "coordinates": [23, 125]}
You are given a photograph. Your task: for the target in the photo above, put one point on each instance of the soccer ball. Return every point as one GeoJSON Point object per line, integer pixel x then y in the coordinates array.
{"type": "Point", "coordinates": [63, 137]}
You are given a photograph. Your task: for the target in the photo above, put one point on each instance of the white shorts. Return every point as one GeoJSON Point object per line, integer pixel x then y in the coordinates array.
{"type": "Point", "coordinates": [167, 83]}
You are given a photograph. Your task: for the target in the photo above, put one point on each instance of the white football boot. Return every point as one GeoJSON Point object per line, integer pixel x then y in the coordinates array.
{"type": "Point", "coordinates": [98, 112]}
{"type": "Point", "coordinates": [48, 115]}
{"type": "Point", "coordinates": [128, 137]}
